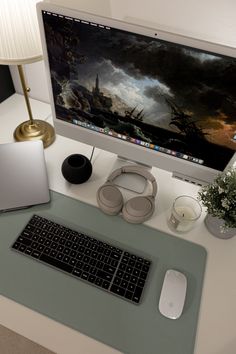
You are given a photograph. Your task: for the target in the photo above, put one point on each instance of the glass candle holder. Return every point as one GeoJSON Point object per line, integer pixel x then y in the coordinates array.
{"type": "Point", "coordinates": [185, 212]}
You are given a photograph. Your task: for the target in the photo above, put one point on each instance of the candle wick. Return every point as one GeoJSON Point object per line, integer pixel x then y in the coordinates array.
{"type": "Point", "coordinates": [183, 215]}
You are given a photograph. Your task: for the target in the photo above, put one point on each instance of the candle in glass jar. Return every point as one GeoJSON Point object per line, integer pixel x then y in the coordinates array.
{"type": "Point", "coordinates": [184, 213]}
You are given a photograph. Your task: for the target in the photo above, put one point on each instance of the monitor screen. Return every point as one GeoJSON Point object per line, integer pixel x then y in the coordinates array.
{"type": "Point", "coordinates": [129, 90]}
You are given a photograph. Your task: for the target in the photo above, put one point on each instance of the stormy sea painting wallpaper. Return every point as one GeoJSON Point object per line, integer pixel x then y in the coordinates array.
{"type": "Point", "coordinates": [150, 92]}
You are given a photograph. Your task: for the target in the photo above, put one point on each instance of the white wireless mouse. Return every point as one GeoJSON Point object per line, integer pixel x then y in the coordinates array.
{"type": "Point", "coordinates": [173, 294]}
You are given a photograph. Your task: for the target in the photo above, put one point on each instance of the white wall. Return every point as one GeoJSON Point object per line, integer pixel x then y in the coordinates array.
{"type": "Point", "coordinates": [212, 20]}
{"type": "Point", "coordinates": [36, 80]}
{"type": "Point", "coordinates": [99, 7]}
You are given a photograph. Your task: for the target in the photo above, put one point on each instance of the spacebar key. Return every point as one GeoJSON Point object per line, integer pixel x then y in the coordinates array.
{"type": "Point", "coordinates": [56, 263]}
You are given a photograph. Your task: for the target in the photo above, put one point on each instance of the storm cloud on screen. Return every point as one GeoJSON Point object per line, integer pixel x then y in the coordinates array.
{"type": "Point", "coordinates": [202, 83]}
{"type": "Point", "coordinates": [197, 82]}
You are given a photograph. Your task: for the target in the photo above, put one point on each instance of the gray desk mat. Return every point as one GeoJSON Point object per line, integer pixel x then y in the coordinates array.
{"type": "Point", "coordinates": [130, 328]}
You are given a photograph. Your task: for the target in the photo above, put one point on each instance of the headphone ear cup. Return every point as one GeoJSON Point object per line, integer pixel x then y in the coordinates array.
{"type": "Point", "coordinates": [109, 199]}
{"type": "Point", "coordinates": [138, 209]}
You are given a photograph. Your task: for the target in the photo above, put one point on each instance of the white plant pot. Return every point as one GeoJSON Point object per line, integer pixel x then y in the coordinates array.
{"type": "Point", "coordinates": [214, 225]}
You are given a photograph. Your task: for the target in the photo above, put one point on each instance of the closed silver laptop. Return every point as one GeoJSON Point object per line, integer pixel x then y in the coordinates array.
{"type": "Point", "coordinates": [23, 175]}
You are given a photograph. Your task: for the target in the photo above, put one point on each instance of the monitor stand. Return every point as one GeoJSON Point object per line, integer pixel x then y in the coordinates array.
{"type": "Point", "coordinates": [130, 181]}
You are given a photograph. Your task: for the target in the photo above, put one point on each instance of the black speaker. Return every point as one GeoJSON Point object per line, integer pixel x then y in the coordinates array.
{"type": "Point", "coordinates": [76, 169]}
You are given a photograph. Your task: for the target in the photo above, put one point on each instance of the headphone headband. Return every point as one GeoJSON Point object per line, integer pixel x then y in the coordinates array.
{"type": "Point", "coordinates": [137, 170]}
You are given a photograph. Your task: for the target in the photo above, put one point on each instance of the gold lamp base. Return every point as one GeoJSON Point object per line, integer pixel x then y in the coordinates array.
{"type": "Point", "coordinates": [35, 130]}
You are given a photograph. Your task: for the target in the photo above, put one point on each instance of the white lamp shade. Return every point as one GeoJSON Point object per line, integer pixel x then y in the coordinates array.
{"type": "Point", "coordinates": [19, 33]}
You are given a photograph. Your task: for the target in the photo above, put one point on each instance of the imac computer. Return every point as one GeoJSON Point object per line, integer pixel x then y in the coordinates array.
{"type": "Point", "coordinates": [151, 96]}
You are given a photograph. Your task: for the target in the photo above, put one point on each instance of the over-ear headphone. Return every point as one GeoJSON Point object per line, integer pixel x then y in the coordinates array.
{"type": "Point", "coordinates": [135, 210]}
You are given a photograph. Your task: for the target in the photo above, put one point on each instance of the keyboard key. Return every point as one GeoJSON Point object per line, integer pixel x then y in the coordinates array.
{"type": "Point", "coordinates": [41, 239]}
{"type": "Point", "coordinates": [133, 279]}
{"type": "Point", "coordinates": [143, 275]}
{"type": "Point", "coordinates": [55, 238]}
{"type": "Point", "coordinates": [125, 260]}
{"type": "Point", "coordinates": [120, 273]}
{"type": "Point", "coordinates": [68, 244]}
{"type": "Point", "coordinates": [126, 276]}
{"type": "Point", "coordinates": [92, 262]}
{"type": "Point", "coordinates": [87, 252]}
{"type": "Point", "coordinates": [73, 254]}
{"type": "Point", "coordinates": [128, 295]}
{"type": "Point", "coordinates": [100, 257]}
{"type": "Point", "coordinates": [104, 275]}
{"type": "Point", "coordinates": [117, 281]}
{"type": "Point", "coordinates": [16, 245]}
{"type": "Point", "coordinates": [40, 248]}
{"type": "Point", "coordinates": [77, 272]}
{"type": "Point", "coordinates": [47, 250]}
{"type": "Point", "coordinates": [145, 268]}
{"type": "Point", "coordinates": [28, 251]}
{"type": "Point", "coordinates": [93, 270]}
{"type": "Point", "coordinates": [133, 257]}
{"type": "Point", "coordinates": [131, 287]}
{"type": "Point", "coordinates": [99, 264]}
{"type": "Point", "coordinates": [75, 246]}
{"type": "Point", "coordinates": [109, 269]}
{"type": "Point", "coordinates": [53, 253]}
{"type": "Point", "coordinates": [66, 259]}
{"type": "Point", "coordinates": [105, 284]}
{"type": "Point", "coordinates": [98, 281]}
{"type": "Point", "coordinates": [136, 272]}
{"type": "Point", "coordinates": [141, 283]}
{"type": "Point", "coordinates": [79, 256]}
{"type": "Point", "coordinates": [74, 238]}
{"type": "Point", "coordinates": [138, 265]}
{"type": "Point", "coordinates": [26, 234]}
{"type": "Point", "coordinates": [30, 228]}
{"type": "Point", "coordinates": [85, 275]}
{"type": "Point", "coordinates": [60, 256]}
{"type": "Point", "coordinates": [129, 270]}
{"type": "Point", "coordinates": [92, 278]}
{"type": "Point", "coordinates": [25, 241]}
{"type": "Point", "coordinates": [56, 263]}
{"type": "Point", "coordinates": [147, 262]}
{"type": "Point", "coordinates": [54, 245]}
{"type": "Point", "coordinates": [79, 264]}
{"type": "Point", "coordinates": [35, 254]}
{"type": "Point", "coordinates": [113, 262]}
{"type": "Point", "coordinates": [22, 248]}
{"type": "Point", "coordinates": [94, 254]}
{"type": "Point", "coordinates": [115, 255]}
{"type": "Point", "coordinates": [86, 267]}
{"type": "Point", "coordinates": [122, 266]}
{"type": "Point", "coordinates": [117, 290]}
{"type": "Point", "coordinates": [124, 284]}
{"type": "Point", "coordinates": [86, 259]}
{"type": "Point", "coordinates": [131, 262]}
{"type": "Point", "coordinates": [137, 294]}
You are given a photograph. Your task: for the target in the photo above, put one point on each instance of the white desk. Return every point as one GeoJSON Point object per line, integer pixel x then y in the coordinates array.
{"type": "Point", "coordinates": [217, 319]}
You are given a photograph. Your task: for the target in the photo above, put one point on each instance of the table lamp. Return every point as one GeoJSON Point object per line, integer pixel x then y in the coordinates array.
{"type": "Point", "coordinates": [20, 44]}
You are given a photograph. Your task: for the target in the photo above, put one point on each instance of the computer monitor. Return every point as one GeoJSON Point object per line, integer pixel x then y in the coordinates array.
{"type": "Point", "coordinates": [151, 96]}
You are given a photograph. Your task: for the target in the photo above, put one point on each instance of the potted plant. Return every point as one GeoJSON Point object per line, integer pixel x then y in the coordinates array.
{"type": "Point", "coordinates": [220, 200]}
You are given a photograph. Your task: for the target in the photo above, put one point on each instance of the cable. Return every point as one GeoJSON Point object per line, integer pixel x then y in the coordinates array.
{"type": "Point", "coordinates": [92, 154]}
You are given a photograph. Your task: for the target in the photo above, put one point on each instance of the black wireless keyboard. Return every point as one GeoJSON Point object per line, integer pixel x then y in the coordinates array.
{"type": "Point", "coordinates": [101, 264]}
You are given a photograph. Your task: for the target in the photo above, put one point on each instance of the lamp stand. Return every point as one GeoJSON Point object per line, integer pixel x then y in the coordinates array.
{"type": "Point", "coordinates": [33, 129]}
